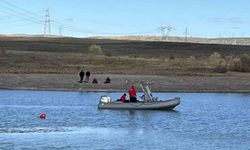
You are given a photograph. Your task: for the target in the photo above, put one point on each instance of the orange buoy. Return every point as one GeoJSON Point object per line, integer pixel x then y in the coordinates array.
{"type": "Point", "coordinates": [43, 116]}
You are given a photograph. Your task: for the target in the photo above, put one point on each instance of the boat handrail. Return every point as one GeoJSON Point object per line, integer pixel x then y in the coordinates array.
{"type": "Point", "coordinates": [147, 97]}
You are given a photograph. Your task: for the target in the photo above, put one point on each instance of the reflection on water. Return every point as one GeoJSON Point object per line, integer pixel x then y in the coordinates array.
{"type": "Point", "coordinates": [201, 121]}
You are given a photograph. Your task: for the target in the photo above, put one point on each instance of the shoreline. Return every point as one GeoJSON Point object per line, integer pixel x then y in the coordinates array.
{"type": "Point", "coordinates": [116, 91]}
{"type": "Point", "coordinates": [228, 83]}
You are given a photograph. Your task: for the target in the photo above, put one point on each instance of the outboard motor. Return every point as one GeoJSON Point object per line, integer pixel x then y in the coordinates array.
{"type": "Point", "coordinates": [105, 99]}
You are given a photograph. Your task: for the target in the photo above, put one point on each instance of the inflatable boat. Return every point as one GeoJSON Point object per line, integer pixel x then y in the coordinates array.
{"type": "Point", "coordinates": [141, 105]}
{"type": "Point", "coordinates": [147, 102]}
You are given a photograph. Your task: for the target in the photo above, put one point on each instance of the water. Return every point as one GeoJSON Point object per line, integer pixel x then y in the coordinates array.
{"type": "Point", "coordinates": [201, 121]}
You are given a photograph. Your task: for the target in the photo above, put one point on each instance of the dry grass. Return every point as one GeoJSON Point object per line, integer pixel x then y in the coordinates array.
{"type": "Point", "coordinates": [44, 62]}
{"type": "Point", "coordinates": [119, 57]}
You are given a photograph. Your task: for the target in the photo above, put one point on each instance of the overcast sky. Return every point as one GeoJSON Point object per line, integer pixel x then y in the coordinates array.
{"type": "Point", "coordinates": [203, 18]}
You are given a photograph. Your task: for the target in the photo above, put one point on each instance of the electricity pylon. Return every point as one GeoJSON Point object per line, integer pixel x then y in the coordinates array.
{"type": "Point", "coordinates": [186, 34]}
{"type": "Point", "coordinates": [47, 27]}
{"type": "Point", "coordinates": [169, 29]}
{"type": "Point", "coordinates": [165, 31]}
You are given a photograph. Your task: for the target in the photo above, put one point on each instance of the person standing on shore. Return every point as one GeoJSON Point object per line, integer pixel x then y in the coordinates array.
{"type": "Point", "coordinates": [87, 76]}
{"type": "Point", "coordinates": [81, 74]}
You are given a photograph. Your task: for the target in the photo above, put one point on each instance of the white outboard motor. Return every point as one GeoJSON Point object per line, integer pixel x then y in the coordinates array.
{"type": "Point", "coordinates": [105, 99]}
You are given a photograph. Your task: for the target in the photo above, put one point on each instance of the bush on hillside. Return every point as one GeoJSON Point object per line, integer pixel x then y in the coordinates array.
{"type": "Point", "coordinates": [215, 58]}
{"type": "Point", "coordinates": [243, 64]}
{"type": "Point", "coordinates": [95, 49]}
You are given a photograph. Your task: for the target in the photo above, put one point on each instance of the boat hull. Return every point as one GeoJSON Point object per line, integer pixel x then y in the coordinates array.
{"type": "Point", "coordinates": [158, 105]}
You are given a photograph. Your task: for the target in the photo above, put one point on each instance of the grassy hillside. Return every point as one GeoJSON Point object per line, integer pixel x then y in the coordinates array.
{"type": "Point", "coordinates": [117, 47]}
{"type": "Point", "coordinates": [68, 55]}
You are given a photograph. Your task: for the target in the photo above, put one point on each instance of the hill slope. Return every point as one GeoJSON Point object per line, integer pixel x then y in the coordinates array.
{"type": "Point", "coordinates": [69, 55]}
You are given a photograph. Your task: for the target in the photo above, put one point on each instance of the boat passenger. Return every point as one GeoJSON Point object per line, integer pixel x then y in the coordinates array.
{"type": "Point", "coordinates": [132, 94]}
{"type": "Point", "coordinates": [123, 98]}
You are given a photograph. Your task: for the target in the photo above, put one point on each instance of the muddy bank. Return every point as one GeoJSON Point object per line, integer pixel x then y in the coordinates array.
{"type": "Point", "coordinates": [231, 82]}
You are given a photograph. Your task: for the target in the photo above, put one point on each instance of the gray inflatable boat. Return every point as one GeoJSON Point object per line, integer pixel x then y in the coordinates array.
{"type": "Point", "coordinates": [148, 102]}
{"type": "Point", "coordinates": [141, 105]}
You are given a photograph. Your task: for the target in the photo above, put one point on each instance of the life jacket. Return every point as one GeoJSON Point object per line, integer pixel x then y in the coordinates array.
{"type": "Point", "coordinates": [123, 98]}
{"type": "Point", "coordinates": [132, 92]}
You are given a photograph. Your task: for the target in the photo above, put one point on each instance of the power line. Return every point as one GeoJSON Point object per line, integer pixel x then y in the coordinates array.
{"type": "Point", "coordinates": [25, 15]}
{"type": "Point", "coordinates": [18, 25]}
{"type": "Point", "coordinates": [19, 8]}
{"type": "Point", "coordinates": [13, 12]}
{"type": "Point", "coordinates": [18, 11]}
{"type": "Point", "coordinates": [30, 17]}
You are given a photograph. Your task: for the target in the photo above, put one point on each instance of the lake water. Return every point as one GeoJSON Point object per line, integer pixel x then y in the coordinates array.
{"type": "Point", "coordinates": [201, 121]}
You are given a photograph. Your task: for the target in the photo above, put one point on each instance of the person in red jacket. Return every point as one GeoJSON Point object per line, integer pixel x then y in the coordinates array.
{"type": "Point", "coordinates": [132, 94]}
{"type": "Point", "coordinates": [123, 98]}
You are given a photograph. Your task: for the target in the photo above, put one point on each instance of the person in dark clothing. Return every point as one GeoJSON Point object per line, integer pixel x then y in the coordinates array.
{"type": "Point", "coordinates": [94, 80]}
{"type": "Point", "coordinates": [81, 74]}
{"type": "Point", "coordinates": [87, 76]}
{"type": "Point", "coordinates": [108, 80]}
{"type": "Point", "coordinates": [132, 94]}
